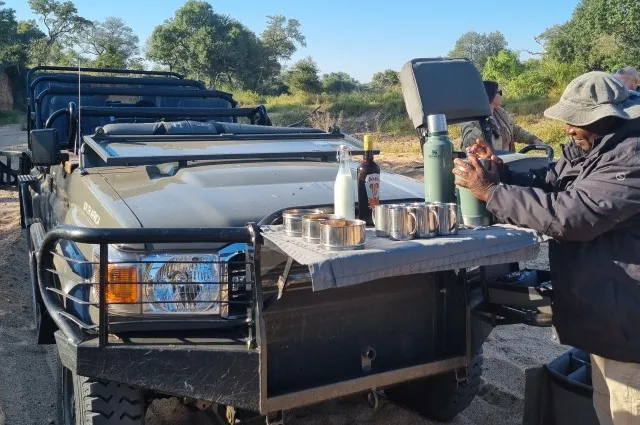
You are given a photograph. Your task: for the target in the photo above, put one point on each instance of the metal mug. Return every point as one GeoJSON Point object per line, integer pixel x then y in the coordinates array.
{"type": "Point", "coordinates": [402, 223]}
{"type": "Point", "coordinates": [426, 219]}
{"type": "Point", "coordinates": [447, 218]}
{"type": "Point", "coordinates": [380, 217]}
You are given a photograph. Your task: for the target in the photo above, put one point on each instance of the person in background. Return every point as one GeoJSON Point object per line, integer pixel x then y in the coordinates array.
{"type": "Point", "coordinates": [504, 130]}
{"type": "Point", "coordinates": [629, 77]}
{"type": "Point", "coordinates": [588, 203]}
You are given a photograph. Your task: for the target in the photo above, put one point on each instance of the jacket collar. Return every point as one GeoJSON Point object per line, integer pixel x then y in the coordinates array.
{"type": "Point", "coordinates": [609, 141]}
{"type": "Point", "coordinates": [571, 152]}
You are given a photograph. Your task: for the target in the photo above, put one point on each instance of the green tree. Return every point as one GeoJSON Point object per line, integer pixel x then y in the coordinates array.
{"type": "Point", "coordinates": [303, 76]}
{"type": "Point", "coordinates": [478, 47]}
{"type": "Point", "coordinates": [385, 79]}
{"type": "Point", "coordinates": [503, 67]}
{"type": "Point", "coordinates": [601, 34]}
{"type": "Point", "coordinates": [338, 82]}
{"type": "Point", "coordinates": [62, 24]}
{"type": "Point", "coordinates": [11, 51]}
{"type": "Point", "coordinates": [216, 48]}
{"type": "Point", "coordinates": [281, 36]}
{"type": "Point", "coordinates": [112, 42]}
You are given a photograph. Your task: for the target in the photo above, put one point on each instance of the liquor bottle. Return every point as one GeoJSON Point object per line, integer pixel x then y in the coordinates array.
{"type": "Point", "coordinates": [368, 183]}
{"type": "Point", "coordinates": [344, 204]}
{"type": "Point", "coordinates": [438, 162]}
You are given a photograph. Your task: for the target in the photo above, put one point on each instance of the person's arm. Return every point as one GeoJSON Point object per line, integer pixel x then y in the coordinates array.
{"type": "Point", "coordinates": [521, 135]}
{"type": "Point", "coordinates": [470, 131]}
{"type": "Point", "coordinates": [610, 194]}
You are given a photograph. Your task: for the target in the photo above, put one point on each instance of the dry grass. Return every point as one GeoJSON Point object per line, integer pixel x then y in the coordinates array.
{"type": "Point", "coordinates": [552, 132]}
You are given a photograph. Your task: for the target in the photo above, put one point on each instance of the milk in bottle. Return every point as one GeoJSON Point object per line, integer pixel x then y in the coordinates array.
{"type": "Point", "coordinates": [344, 189]}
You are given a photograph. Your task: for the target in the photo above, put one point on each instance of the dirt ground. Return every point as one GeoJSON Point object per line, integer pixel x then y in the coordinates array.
{"type": "Point", "coordinates": [27, 391]}
{"type": "Point", "coordinates": [11, 136]}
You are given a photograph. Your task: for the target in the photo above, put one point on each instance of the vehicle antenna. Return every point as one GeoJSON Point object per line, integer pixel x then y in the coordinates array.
{"type": "Point", "coordinates": [79, 152]}
{"type": "Point", "coordinates": [79, 105]}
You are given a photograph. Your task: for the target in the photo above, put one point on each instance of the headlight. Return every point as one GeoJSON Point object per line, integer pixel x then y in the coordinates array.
{"type": "Point", "coordinates": [182, 284]}
{"type": "Point", "coordinates": [160, 283]}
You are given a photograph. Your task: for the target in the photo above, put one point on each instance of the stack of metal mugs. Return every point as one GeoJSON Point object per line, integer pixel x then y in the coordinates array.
{"type": "Point", "coordinates": [440, 214]}
{"type": "Point", "coordinates": [419, 220]}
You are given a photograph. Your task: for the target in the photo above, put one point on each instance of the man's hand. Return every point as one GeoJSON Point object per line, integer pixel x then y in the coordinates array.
{"type": "Point", "coordinates": [481, 149]}
{"type": "Point", "coordinates": [475, 177]}
{"type": "Point", "coordinates": [484, 150]}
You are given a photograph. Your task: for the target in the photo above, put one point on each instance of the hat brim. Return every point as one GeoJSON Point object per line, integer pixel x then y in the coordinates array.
{"type": "Point", "coordinates": [580, 115]}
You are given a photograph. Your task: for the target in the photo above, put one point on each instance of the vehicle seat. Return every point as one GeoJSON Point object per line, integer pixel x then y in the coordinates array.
{"type": "Point", "coordinates": [206, 103]}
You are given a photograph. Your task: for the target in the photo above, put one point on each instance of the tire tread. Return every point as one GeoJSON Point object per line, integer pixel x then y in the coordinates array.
{"type": "Point", "coordinates": [106, 402]}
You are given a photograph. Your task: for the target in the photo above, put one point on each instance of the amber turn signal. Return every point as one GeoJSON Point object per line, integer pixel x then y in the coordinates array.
{"type": "Point", "coordinates": [122, 284]}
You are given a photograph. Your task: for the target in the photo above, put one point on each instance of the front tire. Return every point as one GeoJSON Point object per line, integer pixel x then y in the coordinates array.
{"type": "Point", "coordinates": [440, 397]}
{"type": "Point", "coordinates": [85, 401]}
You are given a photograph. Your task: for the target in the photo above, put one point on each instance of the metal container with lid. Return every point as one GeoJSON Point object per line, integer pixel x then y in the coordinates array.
{"type": "Point", "coordinates": [311, 226]}
{"type": "Point", "coordinates": [473, 211]}
{"type": "Point", "coordinates": [437, 123]}
{"type": "Point", "coordinates": [437, 153]}
{"type": "Point", "coordinates": [292, 220]}
{"type": "Point", "coordinates": [342, 234]}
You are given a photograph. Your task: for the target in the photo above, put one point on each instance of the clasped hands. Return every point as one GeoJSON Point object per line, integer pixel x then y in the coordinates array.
{"type": "Point", "coordinates": [473, 176]}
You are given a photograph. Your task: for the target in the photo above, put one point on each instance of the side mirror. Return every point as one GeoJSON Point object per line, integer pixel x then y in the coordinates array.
{"type": "Point", "coordinates": [44, 147]}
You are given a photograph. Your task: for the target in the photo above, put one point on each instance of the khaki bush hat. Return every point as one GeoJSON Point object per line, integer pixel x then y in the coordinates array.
{"type": "Point", "coordinates": [591, 97]}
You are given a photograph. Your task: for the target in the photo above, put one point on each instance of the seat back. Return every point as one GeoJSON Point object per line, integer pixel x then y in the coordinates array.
{"type": "Point", "coordinates": [452, 87]}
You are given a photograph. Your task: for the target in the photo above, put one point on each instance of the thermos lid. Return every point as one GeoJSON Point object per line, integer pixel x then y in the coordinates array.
{"type": "Point", "coordinates": [437, 123]}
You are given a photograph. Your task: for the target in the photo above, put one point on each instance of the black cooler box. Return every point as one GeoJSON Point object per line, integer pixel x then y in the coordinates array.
{"type": "Point", "coordinates": [560, 393]}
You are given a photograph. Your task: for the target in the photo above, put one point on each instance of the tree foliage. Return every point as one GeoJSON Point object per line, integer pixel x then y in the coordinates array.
{"type": "Point", "coordinates": [216, 48]}
{"type": "Point", "coordinates": [221, 51]}
{"type": "Point", "coordinates": [601, 35]}
{"type": "Point", "coordinates": [112, 42]}
{"type": "Point", "coordinates": [15, 39]}
{"type": "Point", "coordinates": [385, 79]}
{"type": "Point", "coordinates": [479, 47]}
{"type": "Point", "coordinates": [62, 24]}
{"type": "Point", "coordinates": [338, 82]}
{"type": "Point", "coordinates": [281, 36]}
{"type": "Point", "coordinates": [303, 76]}
{"type": "Point", "coordinates": [505, 65]}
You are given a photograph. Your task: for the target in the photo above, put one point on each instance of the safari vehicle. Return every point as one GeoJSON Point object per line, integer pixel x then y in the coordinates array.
{"type": "Point", "coordinates": [143, 210]}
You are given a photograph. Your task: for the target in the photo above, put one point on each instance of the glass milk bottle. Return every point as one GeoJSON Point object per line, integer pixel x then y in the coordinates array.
{"type": "Point", "coordinates": [344, 203]}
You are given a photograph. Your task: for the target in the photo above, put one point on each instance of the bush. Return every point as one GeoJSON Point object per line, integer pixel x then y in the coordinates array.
{"type": "Point", "coordinates": [249, 98]}
{"type": "Point", "coordinates": [533, 106]}
{"type": "Point", "coordinates": [12, 117]}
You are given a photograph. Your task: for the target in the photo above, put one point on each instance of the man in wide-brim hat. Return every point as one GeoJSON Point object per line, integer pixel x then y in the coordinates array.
{"type": "Point", "coordinates": [588, 203]}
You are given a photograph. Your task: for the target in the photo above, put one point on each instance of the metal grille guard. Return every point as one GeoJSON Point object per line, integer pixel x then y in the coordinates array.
{"type": "Point", "coordinates": [78, 330]}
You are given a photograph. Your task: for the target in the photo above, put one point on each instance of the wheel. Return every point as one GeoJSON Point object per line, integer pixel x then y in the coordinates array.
{"type": "Point", "coordinates": [440, 397]}
{"type": "Point", "coordinates": [84, 401]}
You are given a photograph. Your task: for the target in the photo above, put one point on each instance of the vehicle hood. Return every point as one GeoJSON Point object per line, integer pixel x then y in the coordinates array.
{"type": "Point", "coordinates": [233, 194]}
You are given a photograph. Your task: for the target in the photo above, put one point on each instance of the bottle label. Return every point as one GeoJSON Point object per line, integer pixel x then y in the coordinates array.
{"type": "Point", "coordinates": [372, 184]}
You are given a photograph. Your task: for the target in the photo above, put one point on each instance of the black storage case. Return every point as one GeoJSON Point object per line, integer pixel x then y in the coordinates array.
{"type": "Point", "coordinates": [560, 393]}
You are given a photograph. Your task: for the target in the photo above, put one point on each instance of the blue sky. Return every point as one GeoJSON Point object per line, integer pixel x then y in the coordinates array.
{"type": "Point", "coordinates": [355, 36]}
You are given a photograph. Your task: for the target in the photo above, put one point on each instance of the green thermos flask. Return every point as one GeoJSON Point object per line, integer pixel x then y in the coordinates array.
{"type": "Point", "coordinates": [473, 213]}
{"type": "Point", "coordinates": [438, 161]}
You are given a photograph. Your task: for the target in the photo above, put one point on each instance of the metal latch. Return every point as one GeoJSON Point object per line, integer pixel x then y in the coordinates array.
{"type": "Point", "coordinates": [282, 280]}
{"type": "Point", "coordinates": [367, 356]}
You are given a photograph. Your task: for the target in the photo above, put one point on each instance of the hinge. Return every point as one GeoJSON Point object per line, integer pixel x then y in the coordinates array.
{"type": "Point", "coordinates": [462, 377]}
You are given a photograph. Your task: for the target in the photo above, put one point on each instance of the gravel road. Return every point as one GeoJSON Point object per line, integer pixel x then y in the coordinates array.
{"type": "Point", "coordinates": [27, 392]}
